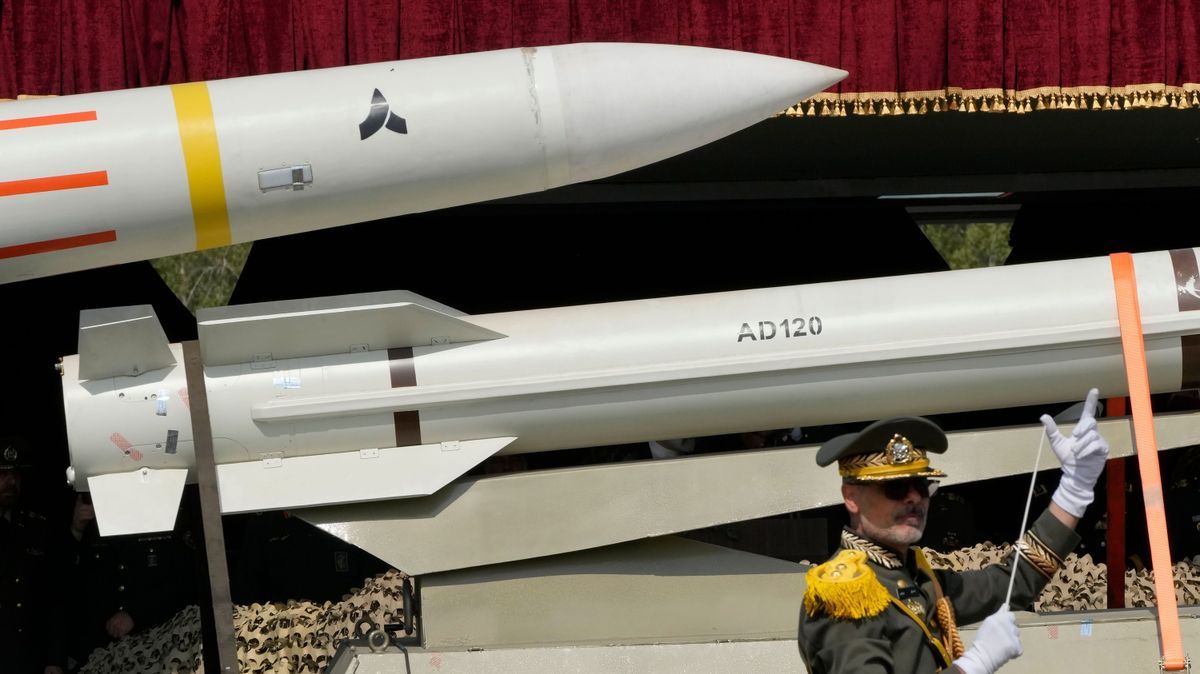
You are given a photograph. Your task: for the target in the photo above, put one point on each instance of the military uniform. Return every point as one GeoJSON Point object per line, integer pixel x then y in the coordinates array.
{"type": "Point", "coordinates": [33, 575]}
{"type": "Point", "coordinates": [151, 577]}
{"type": "Point", "coordinates": [29, 560]}
{"type": "Point", "coordinates": [870, 611]}
{"type": "Point", "coordinates": [904, 635]}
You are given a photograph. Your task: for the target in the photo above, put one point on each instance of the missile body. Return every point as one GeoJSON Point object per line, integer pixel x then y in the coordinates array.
{"type": "Point", "coordinates": [105, 178]}
{"type": "Point", "coordinates": [306, 395]}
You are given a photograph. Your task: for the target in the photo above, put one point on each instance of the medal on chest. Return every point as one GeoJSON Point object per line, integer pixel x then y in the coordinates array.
{"type": "Point", "coordinates": [911, 596]}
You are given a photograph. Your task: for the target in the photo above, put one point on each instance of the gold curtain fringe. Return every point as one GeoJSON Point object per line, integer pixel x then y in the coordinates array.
{"type": "Point", "coordinates": [920, 103]}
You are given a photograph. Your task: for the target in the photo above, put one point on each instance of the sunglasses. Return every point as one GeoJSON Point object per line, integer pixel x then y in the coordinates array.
{"type": "Point", "coordinates": [897, 490]}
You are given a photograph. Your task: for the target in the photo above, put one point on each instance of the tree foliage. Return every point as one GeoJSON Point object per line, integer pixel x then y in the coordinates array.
{"type": "Point", "coordinates": [204, 278]}
{"type": "Point", "coordinates": [965, 246]}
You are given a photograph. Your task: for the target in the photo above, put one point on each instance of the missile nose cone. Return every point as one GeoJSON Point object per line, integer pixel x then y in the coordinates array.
{"type": "Point", "coordinates": [626, 105]}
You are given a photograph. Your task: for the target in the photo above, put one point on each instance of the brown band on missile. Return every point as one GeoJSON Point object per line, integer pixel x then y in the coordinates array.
{"type": "Point", "coordinates": [1187, 278]}
{"type": "Point", "coordinates": [404, 373]}
{"type": "Point", "coordinates": [1191, 361]}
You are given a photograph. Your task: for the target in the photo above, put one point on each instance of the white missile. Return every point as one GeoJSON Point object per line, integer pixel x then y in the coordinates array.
{"type": "Point", "coordinates": [105, 178]}
{"type": "Point", "coordinates": [390, 395]}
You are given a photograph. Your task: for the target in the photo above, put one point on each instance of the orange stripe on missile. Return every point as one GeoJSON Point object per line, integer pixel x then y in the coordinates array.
{"type": "Point", "coordinates": [54, 183]}
{"type": "Point", "coordinates": [64, 243]}
{"type": "Point", "coordinates": [48, 120]}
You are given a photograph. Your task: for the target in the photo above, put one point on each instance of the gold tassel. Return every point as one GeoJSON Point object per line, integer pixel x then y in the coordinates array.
{"type": "Point", "coordinates": [898, 108]}
{"type": "Point", "coordinates": [970, 105]}
{"type": "Point", "coordinates": [950, 636]}
{"type": "Point", "coordinates": [824, 108]}
{"type": "Point", "coordinates": [937, 105]}
{"type": "Point", "coordinates": [1096, 102]}
{"type": "Point", "coordinates": [845, 588]}
{"type": "Point", "coordinates": [952, 103]}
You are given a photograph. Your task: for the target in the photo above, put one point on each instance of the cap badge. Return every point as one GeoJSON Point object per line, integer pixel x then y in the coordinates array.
{"type": "Point", "coordinates": [900, 450]}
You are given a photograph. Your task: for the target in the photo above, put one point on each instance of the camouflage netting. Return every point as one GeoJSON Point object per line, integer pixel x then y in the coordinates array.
{"type": "Point", "coordinates": [293, 637]}
{"type": "Point", "coordinates": [302, 636]}
{"type": "Point", "coordinates": [1081, 584]}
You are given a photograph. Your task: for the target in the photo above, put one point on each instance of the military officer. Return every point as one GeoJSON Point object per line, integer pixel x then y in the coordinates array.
{"type": "Point", "coordinates": [877, 607]}
{"type": "Point", "coordinates": [31, 570]}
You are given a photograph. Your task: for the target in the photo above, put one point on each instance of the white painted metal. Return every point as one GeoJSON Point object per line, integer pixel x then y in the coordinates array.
{"type": "Point", "coordinates": [479, 126]}
{"type": "Point", "coordinates": [1099, 642]}
{"type": "Point", "coordinates": [673, 367]}
{"type": "Point", "coordinates": [274, 483]}
{"type": "Point", "coordinates": [124, 341]}
{"type": "Point", "coordinates": [503, 518]}
{"type": "Point", "coordinates": [143, 500]}
{"type": "Point", "coordinates": [289, 330]}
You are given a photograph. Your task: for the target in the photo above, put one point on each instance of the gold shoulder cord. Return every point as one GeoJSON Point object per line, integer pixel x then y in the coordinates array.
{"type": "Point", "coordinates": [951, 642]}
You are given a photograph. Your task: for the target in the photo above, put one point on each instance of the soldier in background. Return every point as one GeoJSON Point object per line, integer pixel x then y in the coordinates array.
{"type": "Point", "coordinates": [31, 573]}
{"type": "Point", "coordinates": [128, 583]}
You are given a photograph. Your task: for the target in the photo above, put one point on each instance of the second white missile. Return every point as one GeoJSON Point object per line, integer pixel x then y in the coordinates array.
{"type": "Point", "coordinates": [99, 179]}
{"type": "Point", "coordinates": [388, 395]}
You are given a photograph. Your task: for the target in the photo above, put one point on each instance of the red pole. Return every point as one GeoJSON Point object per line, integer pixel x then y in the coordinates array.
{"type": "Point", "coordinates": [1115, 535]}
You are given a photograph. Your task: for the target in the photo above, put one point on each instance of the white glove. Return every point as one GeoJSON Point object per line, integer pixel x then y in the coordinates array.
{"type": "Point", "coordinates": [1082, 457]}
{"type": "Point", "coordinates": [997, 642]}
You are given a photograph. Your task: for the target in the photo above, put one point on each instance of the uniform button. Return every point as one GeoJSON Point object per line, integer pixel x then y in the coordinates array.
{"type": "Point", "coordinates": [18, 604]}
{"type": "Point", "coordinates": [120, 567]}
{"type": "Point", "coordinates": [120, 588]}
{"type": "Point", "coordinates": [17, 579]}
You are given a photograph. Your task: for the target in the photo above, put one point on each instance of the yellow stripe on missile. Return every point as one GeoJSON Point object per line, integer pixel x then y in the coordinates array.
{"type": "Point", "coordinates": [202, 160]}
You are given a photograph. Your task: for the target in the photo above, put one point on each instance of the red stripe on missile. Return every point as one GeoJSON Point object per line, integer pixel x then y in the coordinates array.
{"type": "Point", "coordinates": [65, 243]}
{"type": "Point", "coordinates": [54, 183]}
{"type": "Point", "coordinates": [48, 120]}
{"type": "Point", "coordinates": [407, 423]}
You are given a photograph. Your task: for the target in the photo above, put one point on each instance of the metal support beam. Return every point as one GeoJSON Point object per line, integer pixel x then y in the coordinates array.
{"type": "Point", "coordinates": [221, 618]}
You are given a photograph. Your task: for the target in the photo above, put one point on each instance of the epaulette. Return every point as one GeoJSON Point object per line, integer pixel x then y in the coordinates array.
{"type": "Point", "coordinates": [845, 588]}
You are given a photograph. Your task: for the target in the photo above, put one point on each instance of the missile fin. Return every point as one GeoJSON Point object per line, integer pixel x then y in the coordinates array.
{"type": "Point", "coordinates": [344, 477]}
{"type": "Point", "coordinates": [121, 342]}
{"type": "Point", "coordinates": [138, 502]}
{"type": "Point", "coordinates": [328, 325]}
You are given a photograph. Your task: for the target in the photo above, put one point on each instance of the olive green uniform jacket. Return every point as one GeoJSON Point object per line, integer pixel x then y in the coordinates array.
{"type": "Point", "coordinates": [893, 641]}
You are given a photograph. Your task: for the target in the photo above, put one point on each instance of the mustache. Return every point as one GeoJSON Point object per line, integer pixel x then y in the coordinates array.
{"type": "Point", "coordinates": [914, 509]}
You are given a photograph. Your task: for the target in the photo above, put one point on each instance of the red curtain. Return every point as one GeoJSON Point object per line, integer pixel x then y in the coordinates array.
{"type": "Point", "coordinates": [904, 56]}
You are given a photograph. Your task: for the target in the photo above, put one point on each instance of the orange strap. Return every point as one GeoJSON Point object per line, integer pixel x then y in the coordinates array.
{"type": "Point", "coordinates": [1130, 319]}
